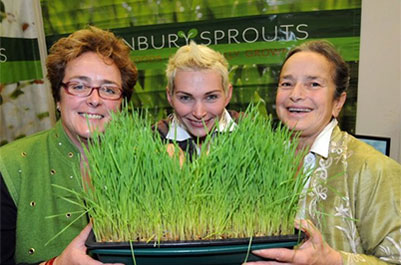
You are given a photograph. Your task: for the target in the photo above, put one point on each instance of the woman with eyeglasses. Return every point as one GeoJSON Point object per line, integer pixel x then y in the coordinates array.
{"type": "Point", "coordinates": [90, 74]}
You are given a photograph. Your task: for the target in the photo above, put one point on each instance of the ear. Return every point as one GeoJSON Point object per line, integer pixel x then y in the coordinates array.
{"type": "Point", "coordinates": [58, 105]}
{"type": "Point", "coordinates": [229, 94]}
{"type": "Point", "coordinates": [169, 97]}
{"type": "Point", "coordinates": [338, 104]}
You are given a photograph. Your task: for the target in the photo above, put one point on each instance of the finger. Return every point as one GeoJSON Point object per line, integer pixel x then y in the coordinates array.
{"type": "Point", "coordinates": [83, 235]}
{"type": "Point", "coordinates": [307, 227]}
{"type": "Point", "coordinates": [79, 240]}
{"type": "Point", "coordinates": [89, 260]}
{"type": "Point", "coordinates": [315, 238]}
{"type": "Point", "coordinates": [278, 254]}
{"type": "Point", "coordinates": [170, 148]}
{"type": "Point", "coordinates": [85, 232]}
{"type": "Point", "coordinates": [302, 224]}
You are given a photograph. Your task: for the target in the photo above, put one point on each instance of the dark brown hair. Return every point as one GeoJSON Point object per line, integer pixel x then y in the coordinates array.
{"type": "Point", "coordinates": [341, 70]}
{"type": "Point", "coordinates": [93, 39]}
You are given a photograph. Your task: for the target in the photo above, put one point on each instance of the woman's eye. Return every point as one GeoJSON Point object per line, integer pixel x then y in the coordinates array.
{"type": "Point", "coordinates": [109, 90]}
{"type": "Point", "coordinates": [285, 84]}
{"type": "Point", "coordinates": [211, 97]}
{"type": "Point", "coordinates": [78, 86]}
{"type": "Point", "coordinates": [184, 98]}
{"type": "Point", "coordinates": [315, 84]}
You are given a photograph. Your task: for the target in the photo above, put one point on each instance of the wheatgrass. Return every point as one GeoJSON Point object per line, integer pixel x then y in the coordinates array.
{"type": "Point", "coordinates": [245, 183]}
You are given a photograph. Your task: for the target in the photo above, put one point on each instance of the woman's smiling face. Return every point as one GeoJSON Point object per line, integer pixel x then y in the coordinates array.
{"type": "Point", "coordinates": [81, 115]}
{"type": "Point", "coordinates": [305, 97]}
{"type": "Point", "coordinates": [198, 100]}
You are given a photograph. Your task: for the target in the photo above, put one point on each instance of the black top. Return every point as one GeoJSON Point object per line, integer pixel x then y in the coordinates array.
{"type": "Point", "coordinates": [188, 145]}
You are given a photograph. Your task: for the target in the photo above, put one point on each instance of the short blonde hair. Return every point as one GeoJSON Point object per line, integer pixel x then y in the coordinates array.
{"type": "Point", "coordinates": [196, 57]}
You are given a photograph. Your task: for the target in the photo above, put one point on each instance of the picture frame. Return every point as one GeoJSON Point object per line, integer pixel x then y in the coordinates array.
{"type": "Point", "coordinates": [380, 143]}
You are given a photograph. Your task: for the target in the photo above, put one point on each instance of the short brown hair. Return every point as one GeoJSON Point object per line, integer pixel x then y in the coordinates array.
{"type": "Point", "coordinates": [341, 70]}
{"type": "Point", "coordinates": [93, 39]}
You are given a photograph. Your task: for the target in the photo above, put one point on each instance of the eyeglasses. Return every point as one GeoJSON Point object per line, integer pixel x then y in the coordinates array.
{"type": "Point", "coordinates": [105, 91]}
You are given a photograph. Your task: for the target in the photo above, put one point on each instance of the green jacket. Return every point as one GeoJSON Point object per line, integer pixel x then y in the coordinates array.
{"type": "Point", "coordinates": [30, 167]}
{"type": "Point", "coordinates": [359, 191]}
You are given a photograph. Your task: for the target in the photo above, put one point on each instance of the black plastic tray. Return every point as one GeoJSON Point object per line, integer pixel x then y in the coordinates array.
{"type": "Point", "coordinates": [202, 252]}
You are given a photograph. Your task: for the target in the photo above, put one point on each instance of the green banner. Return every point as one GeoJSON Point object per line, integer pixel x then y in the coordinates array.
{"type": "Point", "coordinates": [247, 53]}
{"type": "Point", "coordinates": [244, 40]}
{"type": "Point", "coordinates": [254, 38]}
{"type": "Point", "coordinates": [245, 30]}
{"type": "Point", "coordinates": [15, 71]}
{"type": "Point", "coordinates": [19, 49]}
{"type": "Point", "coordinates": [19, 60]}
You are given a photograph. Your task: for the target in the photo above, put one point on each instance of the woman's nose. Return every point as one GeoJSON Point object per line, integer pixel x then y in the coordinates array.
{"type": "Point", "coordinates": [297, 93]}
{"type": "Point", "coordinates": [94, 98]}
{"type": "Point", "coordinates": [199, 110]}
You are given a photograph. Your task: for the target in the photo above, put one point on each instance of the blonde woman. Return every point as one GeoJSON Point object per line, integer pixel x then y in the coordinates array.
{"type": "Point", "coordinates": [198, 90]}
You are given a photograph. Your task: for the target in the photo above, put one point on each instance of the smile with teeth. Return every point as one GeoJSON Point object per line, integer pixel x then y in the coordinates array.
{"type": "Point", "coordinates": [91, 116]}
{"type": "Point", "coordinates": [299, 110]}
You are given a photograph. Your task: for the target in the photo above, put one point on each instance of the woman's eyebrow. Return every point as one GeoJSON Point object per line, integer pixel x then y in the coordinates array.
{"type": "Point", "coordinates": [183, 92]}
{"type": "Point", "coordinates": [290, 77]}
{"type": "Point", "coordinates": [313, 77]}
{"type": "Point", "coordinates": [213, 91]}
{"type": "Point", "coordinates": [88, 79]}
{"type": "Point", "coordinates": [81, 77]}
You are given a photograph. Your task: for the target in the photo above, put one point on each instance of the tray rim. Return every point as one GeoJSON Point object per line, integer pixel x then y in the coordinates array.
{"type": "Point", "coordinates": [292, 239]}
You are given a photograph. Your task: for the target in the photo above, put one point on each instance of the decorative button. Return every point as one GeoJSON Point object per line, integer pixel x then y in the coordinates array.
{"type": "Point", "coordinates": [32, 203]}
{"type": "Point", "coordinates": [52, 171]}
{"type": "Point", "coordinates": [23, 154]}
{"type": "Point", "coordinates": [31, 251]}
{"type": "Point", "coordinates": [70, 154]}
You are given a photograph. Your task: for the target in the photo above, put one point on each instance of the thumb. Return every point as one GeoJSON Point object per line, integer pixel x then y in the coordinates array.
{"type": "Point", "coordinates": [83, 235]}
{"type": "Point", "coordinates": [310, 230]}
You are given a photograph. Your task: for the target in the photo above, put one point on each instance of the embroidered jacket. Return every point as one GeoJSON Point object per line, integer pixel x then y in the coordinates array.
{"type": "Point", "coordinates": [358, 190]}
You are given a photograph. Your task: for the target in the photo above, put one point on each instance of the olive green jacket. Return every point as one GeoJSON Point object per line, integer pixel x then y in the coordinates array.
{"type": "Point", "coordinates": [30, 167]}
{"type": "Point", "coordinates": [358, 190]}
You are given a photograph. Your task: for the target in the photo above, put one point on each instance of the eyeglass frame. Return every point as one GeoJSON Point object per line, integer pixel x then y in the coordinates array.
{"type": "Point", "coordinates": [65, 85]}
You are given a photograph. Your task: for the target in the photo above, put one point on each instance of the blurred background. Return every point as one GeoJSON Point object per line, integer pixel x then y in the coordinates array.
{"type": "Point", "coordinates": [254, 36]}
